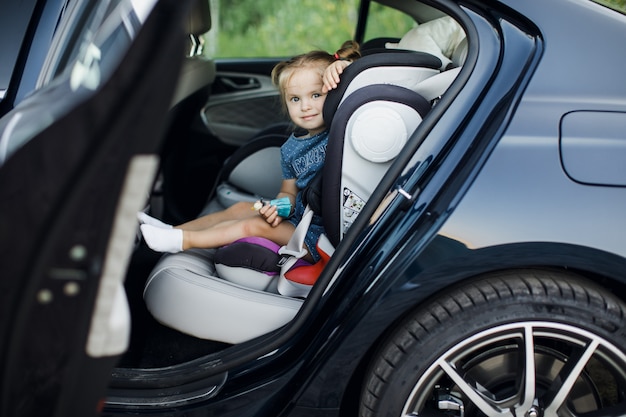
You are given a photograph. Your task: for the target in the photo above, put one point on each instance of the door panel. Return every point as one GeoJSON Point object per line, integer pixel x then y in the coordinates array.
{"type": "Point", "coordinates": [241, 105]}
{"type": "Point", "coordinates": [67, 198]}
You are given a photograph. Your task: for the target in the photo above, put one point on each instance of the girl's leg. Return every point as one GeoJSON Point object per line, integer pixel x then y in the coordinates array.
{"type": "Point", "coordinates": [237, 211]}
{"type": "Point", "coordinates": [240, 210]}
{"type": "Point", "coordinates": [229, 231]}
{"type": "Point", "coordinates": [175, 240]}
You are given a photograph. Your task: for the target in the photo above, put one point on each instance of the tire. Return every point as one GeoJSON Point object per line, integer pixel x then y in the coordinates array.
{"type": "Point", "coordinates": [465, 353]}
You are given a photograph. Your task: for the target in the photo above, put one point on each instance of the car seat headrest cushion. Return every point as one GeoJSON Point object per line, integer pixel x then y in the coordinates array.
{"type": "Point", "coordinates": [199, 19]}
{"type": "Point", "coordinates": [382, 59]}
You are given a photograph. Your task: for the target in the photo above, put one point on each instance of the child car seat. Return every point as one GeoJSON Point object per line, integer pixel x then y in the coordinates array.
{"type": "Point", "coordinates": [185, 292]}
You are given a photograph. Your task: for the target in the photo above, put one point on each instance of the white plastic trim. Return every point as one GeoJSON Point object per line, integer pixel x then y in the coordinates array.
{"type": "Point", "coordinates": [110, 324]}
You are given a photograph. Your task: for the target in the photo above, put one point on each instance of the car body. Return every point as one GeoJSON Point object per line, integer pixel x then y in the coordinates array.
{"type": "Point", "coordinates": [484, 276]}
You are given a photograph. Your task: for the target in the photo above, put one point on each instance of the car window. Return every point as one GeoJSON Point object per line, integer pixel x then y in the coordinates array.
{"type": "Point", "coordinates": [89, 54]}
{"type": "Point", "coordinates": [14, 21]}
{"type": "Point", "coordinates": [267, 28]}
{"type": "Point", "coordinates": [385, 22]}
{"type": "Point", "coordinates": [110, 26]}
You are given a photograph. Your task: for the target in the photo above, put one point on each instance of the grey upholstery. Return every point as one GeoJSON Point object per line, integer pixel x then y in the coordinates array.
{"type": "Point", "coordinates": [460, 53]}
{"type": "Point", "coordinates": [252, 172]}
{"type": "Point", "coordinates": [184, 293]}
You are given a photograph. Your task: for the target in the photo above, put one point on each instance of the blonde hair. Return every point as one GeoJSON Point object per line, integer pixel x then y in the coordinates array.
{"type": "Point", "coordinates": [282, 72]}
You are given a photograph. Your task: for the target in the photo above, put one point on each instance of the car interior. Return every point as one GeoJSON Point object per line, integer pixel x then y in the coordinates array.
{"type": "Point", "coordinates": [197, 302]}
{"type": "Point", "coordinates": [440, 290]}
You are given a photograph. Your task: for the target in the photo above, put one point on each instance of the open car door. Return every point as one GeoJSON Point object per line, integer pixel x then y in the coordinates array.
{"type": "Point", "coordinates": [76, 165]}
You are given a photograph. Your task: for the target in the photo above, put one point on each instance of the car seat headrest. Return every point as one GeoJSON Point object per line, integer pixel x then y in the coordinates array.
{"type": "Point", "coordinates": [404, 68]}
{"type": "Point", "coordinates": [198, 21]}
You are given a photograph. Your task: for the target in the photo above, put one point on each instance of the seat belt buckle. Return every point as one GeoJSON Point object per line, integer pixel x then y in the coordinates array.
{"type": "Point", "coordinates": [283, 261]}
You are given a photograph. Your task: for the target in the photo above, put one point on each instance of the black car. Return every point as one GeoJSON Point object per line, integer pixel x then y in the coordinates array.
{"type": "Point", "coordinates": [473, 199]}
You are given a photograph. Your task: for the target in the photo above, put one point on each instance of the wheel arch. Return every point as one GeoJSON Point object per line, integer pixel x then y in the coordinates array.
{"type": "Point", "coordinates": [445, 263]}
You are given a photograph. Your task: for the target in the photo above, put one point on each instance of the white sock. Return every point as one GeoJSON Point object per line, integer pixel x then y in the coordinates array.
{"type": "Point", "coordinates": [162, 240]}
{"type": "Point", "coordinates": [146, 219]}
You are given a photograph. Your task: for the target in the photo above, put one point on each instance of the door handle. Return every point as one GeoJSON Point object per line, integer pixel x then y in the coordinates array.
{"type": "Point", "coordinates": [240, 83]}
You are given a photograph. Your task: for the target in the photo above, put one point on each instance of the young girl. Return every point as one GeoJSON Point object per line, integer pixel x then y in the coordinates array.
{"type": "Point", "coordinates": [299, 81]}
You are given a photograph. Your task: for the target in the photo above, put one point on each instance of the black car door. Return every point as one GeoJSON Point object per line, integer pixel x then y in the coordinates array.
{"type": "Point", "coordinates": [75, 168]}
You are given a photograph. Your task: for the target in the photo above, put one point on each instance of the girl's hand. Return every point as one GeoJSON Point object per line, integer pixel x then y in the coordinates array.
{"type": "Point", "coordinates": [270, 214]}
{"type": "Point", "coordinates": [332, 73]}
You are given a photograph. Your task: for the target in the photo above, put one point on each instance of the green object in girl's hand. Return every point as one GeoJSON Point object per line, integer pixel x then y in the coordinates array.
{"type": "Point", "coordinates": [283, 206]}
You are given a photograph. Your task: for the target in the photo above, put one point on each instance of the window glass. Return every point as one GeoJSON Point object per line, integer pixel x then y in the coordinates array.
{"type": "Point", "coordinates": [385, 22]}
{"type": "Point", "coordinates": [109, 25]}
{"type": "Point", "coordinates": [267, 28]}
{"type": "Point", "coordinates": [619, 5]}
{"type": "Point", "coordinates": [86, 59]}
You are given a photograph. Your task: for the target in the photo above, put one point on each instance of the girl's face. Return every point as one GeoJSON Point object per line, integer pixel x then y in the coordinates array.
{"type": "Point", "coordinates": [304, 99]}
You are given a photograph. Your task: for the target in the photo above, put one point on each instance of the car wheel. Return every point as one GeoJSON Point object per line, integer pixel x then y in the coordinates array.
{"type": "Point", "coordinates": [523, 343]}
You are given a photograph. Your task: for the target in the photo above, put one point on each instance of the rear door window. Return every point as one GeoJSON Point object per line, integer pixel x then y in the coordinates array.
{"type": "Point", "coordinates": [385, 22]}
{"type": "Point", "coordinates": [266, 28]}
